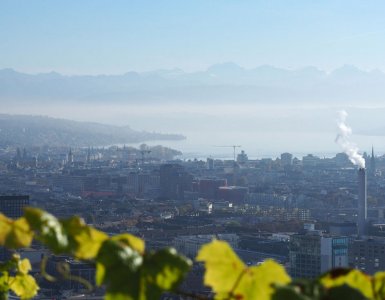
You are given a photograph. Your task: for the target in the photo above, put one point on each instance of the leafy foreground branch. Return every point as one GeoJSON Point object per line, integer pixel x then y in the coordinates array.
{"type": "Point", "coordinates": [128, 271]}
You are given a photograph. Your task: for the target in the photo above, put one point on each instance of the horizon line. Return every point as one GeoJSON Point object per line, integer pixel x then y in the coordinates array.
{"type": "Point", "coordinates": [294, 69]}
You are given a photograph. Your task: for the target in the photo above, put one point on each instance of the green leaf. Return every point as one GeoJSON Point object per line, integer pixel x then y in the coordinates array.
{"type": "Point", "coordinates": [345, 292]}
{"type": "Point", "coordinates": [20, 235]}
{"type": "Point", "coordinates": [162, 271]}
{"type": "Point", "coordinates": [4, 285]}
{"type": "Point", "coordinates": [353, 278]}
{"type": "Point", "coordinates": [288, 293]}
{"type": "Point", "coordinates": [223, 266]}
{"type": "Point", "coordinates": [115, 253]}
{"type": "Point", "coordinates": [84, 240]}
{"type": "Point", "coordinates": [24, 286]}
{"type": "Point", "coordinates": [119, 270]}
{"type": "Point", "coordinates": [49, 229]}
{"type": "Point", "coordinates": [122, 293]}
{"type": "Point", "coordinates": [308, 288]}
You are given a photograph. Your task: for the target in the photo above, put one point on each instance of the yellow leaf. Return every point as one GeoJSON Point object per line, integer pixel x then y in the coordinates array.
{"type": "Point", "coordinates": [229, 277]}
{"type": "Point", "coordinates": [257, 281]}
{"type": "Point", "coordinates": [130, 240]}
{"type": "Point", "coordinates": [100, 274]}
{"type": "Point", "coordinates": [20, 235]}
{"type": "Point", "coordinates": [379, 285]}
{"type": "Point", "coordinates": [354, 278]}
{"type": "Point", "coordinates": [24, 286]}
{"type": "Point", "coordinates": [87, 240]}
{"type": "Point", "coordinates": [24, 266]}
{"type": "Point", "coordinates": [223, 267]}
{"type": "Point", "coordinates": [5, 228]}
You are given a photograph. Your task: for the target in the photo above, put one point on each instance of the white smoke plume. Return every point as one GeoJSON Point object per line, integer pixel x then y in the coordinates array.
{"type": "Point", "coordinates": [344, 131]}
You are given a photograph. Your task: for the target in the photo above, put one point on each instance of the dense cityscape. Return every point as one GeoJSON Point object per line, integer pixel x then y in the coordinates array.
{"type": "Point", "coordinates": [302, 212]}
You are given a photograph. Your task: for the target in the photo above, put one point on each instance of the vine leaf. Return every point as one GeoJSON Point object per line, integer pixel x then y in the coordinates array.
{"type": "Point", "coordinates": [24, 266]}
{"type": "Point", "coordinates": [5, 228]}
{"type": "Point", "coordinates": [49, 229]}
{"type": "Point", "coordinates": [20, 235]}
{"type": "Point", "coordinates": [345, 292]}
{"type": "Point", "coordinates": [353, 278]}
{"type": "Point", "coordinates": [223, 266]}
{"type": "Point", "coordinates": [100, 274]}
{"type": "Point", "coordinates": [379, 285]}
{"type": "Point", "coordinates": [4, 286]}
{"type": "Point", "coordinates": [84, 240]}
{"type": "Point", "coordinates": [24, 286]}
{"type": "Point", "coordinates": [287, 292]}
{"type": "Point", "coordinates": [128, 275]}
{"type": "Point", "coordinates": [229, 277]}
{"type": "Point", "coordinates": [257, 282]}
{"type": "Point", "coordinates": [15, 234]}
{"type": "Point", "coordinates": [118, 268]}
{"type": "Point", "coordinates": [130, 240]}
{"type": "Point", "coordinates": [162, 271]}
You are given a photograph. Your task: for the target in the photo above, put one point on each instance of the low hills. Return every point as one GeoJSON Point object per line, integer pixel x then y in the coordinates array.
{"type": "Point", "coordinates": [23, 130]}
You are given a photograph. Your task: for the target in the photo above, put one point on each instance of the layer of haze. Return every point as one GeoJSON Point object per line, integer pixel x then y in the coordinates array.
{"type": "Point", "coordinates": [262, 131]}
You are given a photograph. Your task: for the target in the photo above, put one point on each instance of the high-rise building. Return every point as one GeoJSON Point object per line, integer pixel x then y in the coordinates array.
{"type": "Point", "coordinates": [12, 206]}
{"type": "Point", "coordinates": [70, 157]}
{"type": "Point", "coordinates": [367, 254]}
{"type": "Point", "coordinates": [209, 187]}
{"type": "Point", "coordinates": [174, 181]}
{"type": "Point", "coordinates": [286, 159]}
{"type": "Point", "coordinates": [312, 253]}
{"type": "Point", "coordinates": [242, 158]}
{"type": "Point", "coordinates": [234, 194]}
{"type": "Point", "coordinates": [210, 163]}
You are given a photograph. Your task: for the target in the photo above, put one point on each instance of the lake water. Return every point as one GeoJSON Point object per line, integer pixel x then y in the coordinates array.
{"type": "Point", "coordinates": [265, 145]}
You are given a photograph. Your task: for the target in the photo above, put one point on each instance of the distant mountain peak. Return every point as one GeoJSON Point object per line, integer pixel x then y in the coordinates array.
{"type": "Point", "coordinates": [220, 82]}
{"type": "Point", "coordinates": [348, 69]}
{"type": "Point", "coordinates": [225, 67]}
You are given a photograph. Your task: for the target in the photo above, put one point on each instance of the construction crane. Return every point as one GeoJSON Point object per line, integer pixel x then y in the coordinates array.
{"type": "Point", "coordinates": [232, 146]}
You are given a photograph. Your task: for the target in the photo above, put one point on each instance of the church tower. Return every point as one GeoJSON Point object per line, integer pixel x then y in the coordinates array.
{"type": "Point", "coordinates": [372, 164]}
{"type": "Point", "coordinates": [70, 159]}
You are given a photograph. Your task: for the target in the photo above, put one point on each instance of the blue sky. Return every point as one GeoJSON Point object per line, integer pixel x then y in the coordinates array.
{"type": "Point", "coordinates": [94, 36]}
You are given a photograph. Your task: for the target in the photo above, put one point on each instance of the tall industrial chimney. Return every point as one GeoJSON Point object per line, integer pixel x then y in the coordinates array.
{"type": "Point", "coordinates": [362, 204]}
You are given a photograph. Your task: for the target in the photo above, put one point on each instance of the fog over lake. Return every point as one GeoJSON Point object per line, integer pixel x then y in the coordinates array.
{"type": "Point", "coordinates": [261, 130]}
